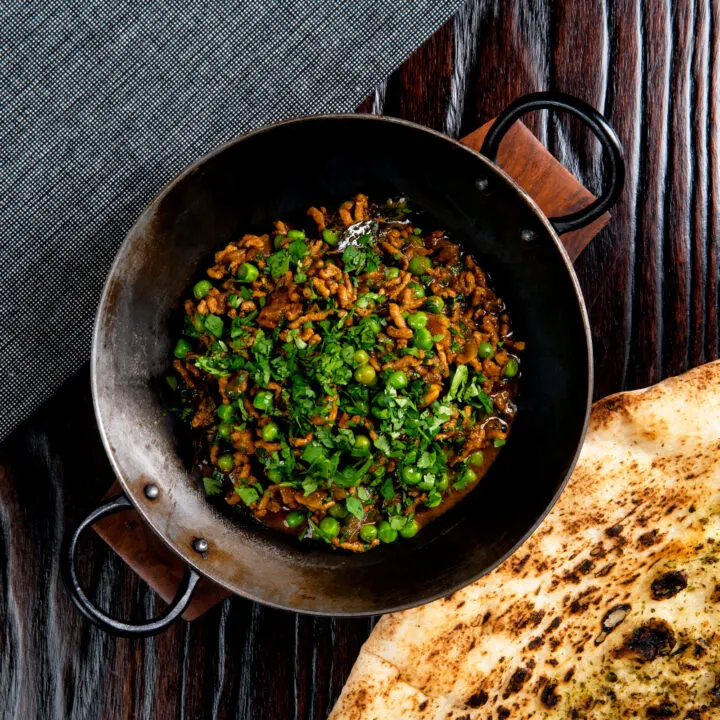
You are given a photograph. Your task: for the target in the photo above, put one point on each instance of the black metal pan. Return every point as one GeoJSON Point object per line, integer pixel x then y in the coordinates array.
{"type": "Point", "coordinates": [277, 172]}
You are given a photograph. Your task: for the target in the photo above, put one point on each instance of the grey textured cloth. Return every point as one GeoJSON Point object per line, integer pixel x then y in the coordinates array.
{"type": "Point", "coordinates": [103, 101]}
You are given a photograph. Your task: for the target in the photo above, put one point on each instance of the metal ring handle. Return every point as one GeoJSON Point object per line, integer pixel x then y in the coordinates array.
{"type": "Point", "coordinates": [95, 614]}
{"type": "Point", "coordinates": [612, 149]}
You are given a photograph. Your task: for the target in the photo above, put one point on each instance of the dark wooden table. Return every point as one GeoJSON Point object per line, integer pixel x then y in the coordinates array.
{"type": "Point", "coordinates": [651, 284]}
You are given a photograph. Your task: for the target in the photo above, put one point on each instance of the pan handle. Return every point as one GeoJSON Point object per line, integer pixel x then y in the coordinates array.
{"type": "Point", "coordinates": [95, 614]}
{"type": "Point", "coordinates": [610, 142]}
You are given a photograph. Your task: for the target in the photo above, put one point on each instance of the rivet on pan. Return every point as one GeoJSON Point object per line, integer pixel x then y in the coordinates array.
{"type": "Point", "coordinates": [152, 491]}
{"type": "Point", "coordinates": [527, 235]}
{"type": "Point", "coordinates": [200, 545]}
{"type": "Point", "coordinates": [482, 184]}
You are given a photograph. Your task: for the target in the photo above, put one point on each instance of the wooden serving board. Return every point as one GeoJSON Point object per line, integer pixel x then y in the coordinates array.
{"type": "Point", "coordinates": [553, 188]}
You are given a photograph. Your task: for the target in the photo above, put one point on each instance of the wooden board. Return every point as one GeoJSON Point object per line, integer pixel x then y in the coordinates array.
{"type": "Point", "coordinates": [552, 187]}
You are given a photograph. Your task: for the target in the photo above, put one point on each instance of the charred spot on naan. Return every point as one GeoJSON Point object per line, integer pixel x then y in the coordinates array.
{"type": "Point", "coordinates": [666, 709]}
{"type": "Point", "coordinates": [648, 642]}
{"type": "Point", "coordinates": [517, 680]}
{"type": "Point", "coordinates": [669, 584]}
{"type": "Point", "coordinates": [477, 699]}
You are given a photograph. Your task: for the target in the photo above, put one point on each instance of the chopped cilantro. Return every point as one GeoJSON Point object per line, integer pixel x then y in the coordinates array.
{"type": "Point", "coordinates": [458, 382]}
{"type": "Point", "coordinates": [213, 485]}
{"type": "Point", "coordinates": [216, 365]}
{"type": "Point", "coordinates": [248, 495]}
{"type": "Point", "coordinates": [474, 395]}
{"type": "Point", "coordinates": [297, 250]}
{"type": "Point", "coordinates": [214, 325]}
{"type": "Point", "coordinates": [354, 507]}
{"type": "Point", "coordinates": [279, 263]}
{"type": "Point", "coordinates": [398, 522]}
{"type": "Point", "coordinates": [387, 489]}
{"type": "Point", "coordinates": [362, 257]}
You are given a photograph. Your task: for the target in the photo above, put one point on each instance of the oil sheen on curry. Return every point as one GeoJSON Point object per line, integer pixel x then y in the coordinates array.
{"type": "Point", "coordinates": [347, 380]}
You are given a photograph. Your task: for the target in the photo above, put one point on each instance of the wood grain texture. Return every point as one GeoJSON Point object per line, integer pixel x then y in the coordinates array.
{"type": "Point", "coordinates": [651, 281]}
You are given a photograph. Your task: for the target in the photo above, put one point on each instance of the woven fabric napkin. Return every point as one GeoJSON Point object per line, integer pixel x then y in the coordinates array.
{"type": "Point", "coordinates": [104, 101]}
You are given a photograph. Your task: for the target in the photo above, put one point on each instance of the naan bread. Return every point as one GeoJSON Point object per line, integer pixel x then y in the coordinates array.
{"type": "Point", "coordinates": [611, 609]}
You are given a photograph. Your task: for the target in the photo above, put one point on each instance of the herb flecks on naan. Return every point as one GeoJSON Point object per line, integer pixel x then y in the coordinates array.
{"type": "Point", "coordinates": [610, 610]}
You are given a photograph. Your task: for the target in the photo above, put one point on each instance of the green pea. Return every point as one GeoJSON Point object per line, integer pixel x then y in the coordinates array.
{"type": "Point", "coordinates": [365, 374]}
{"type": "Point", "coordinates": [417, 320]}
{"type": "Point", "coordinates": [263, 400]}
{"type": "Point", "coordinates": [390, 274]}
{"type": "Point", "coordinates": [410, 529]}
{"type": "Point", "coordinates": [274, 476]}
{"type": "Point", "coordinates": [467, 476]}
{"type": "Point", "coordinates": [418, 290]}
{"type": "Point", "coordinates": [182, 348]}
{"type": "Point", "coordinates": [485, 350]}
{"type": "Point", "coordinates": [398, 380]}
{"type": "Point", "coordinates": [362, 442]}
{"type": "Point", "coordinates": [234, 301]}
{"type": "Point", "coordinates": [419, 265]}
{"type": "Point", "coordinates": [198, 322]}
{"type": "Point", "coordinates": [296, 234]}
{"type": "Point", "coordinates": [368, 533]}
{"type": "Point", "coordinates": [330, 237]}
{"type": "Point", "coordinates": [360, 357]}
{"type": "Point", "coordinates": [270, 432]}
{"type": "Point", "coordinates": [329, 527]}
{"type": "Point", "coordinates": [226, 463]}
{"type": "Point", "coordinates": [411, 475]}
{"type": "Point", "coordinates": [294, 518]}
{"type": "Point", "coordinates": [512, 367]}
{"type": "Point", "coordinates": [434, 304]}
{"type": "Point", "coordinates": [225, 412]}
{"type": "Point", "coordinates": [224, 429]}
{"type": "Point", "coordinates": [278, 241]}
{"type": "Point", "coordinates": [477, 458]}
{"type": "Point", "coordinates": [247, 272]}
{"type": "Point", "coordinates": [338, 511]}
{"type": "Point", "coordinates": [201, 289]}
{"type": "Point", "coordinates": [423, 339]}
{"type": "Point", "coordinates": [442, 483]}
{"type": "Point", "coordinates": [427, 484]}
{"type": "Point", "coordinates": [386, 533]}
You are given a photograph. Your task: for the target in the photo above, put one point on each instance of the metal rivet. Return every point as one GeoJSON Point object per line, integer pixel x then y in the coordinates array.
{"type": "Point", "coordinates": [152, 491]}
{"type": "Point", "coordinates": [200, 545]}
{"type": "Point", "coordinates": [527, 235]}
{"type": "Point", "coordinates": [482, 184]}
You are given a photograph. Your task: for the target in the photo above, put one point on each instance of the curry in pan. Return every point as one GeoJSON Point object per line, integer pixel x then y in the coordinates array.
{"type": "Point", "coordinates": [349, 382]}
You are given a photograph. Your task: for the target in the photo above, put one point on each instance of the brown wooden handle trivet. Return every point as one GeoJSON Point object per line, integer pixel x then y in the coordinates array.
{"type": "Point", "coordinates": [553, 188]}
